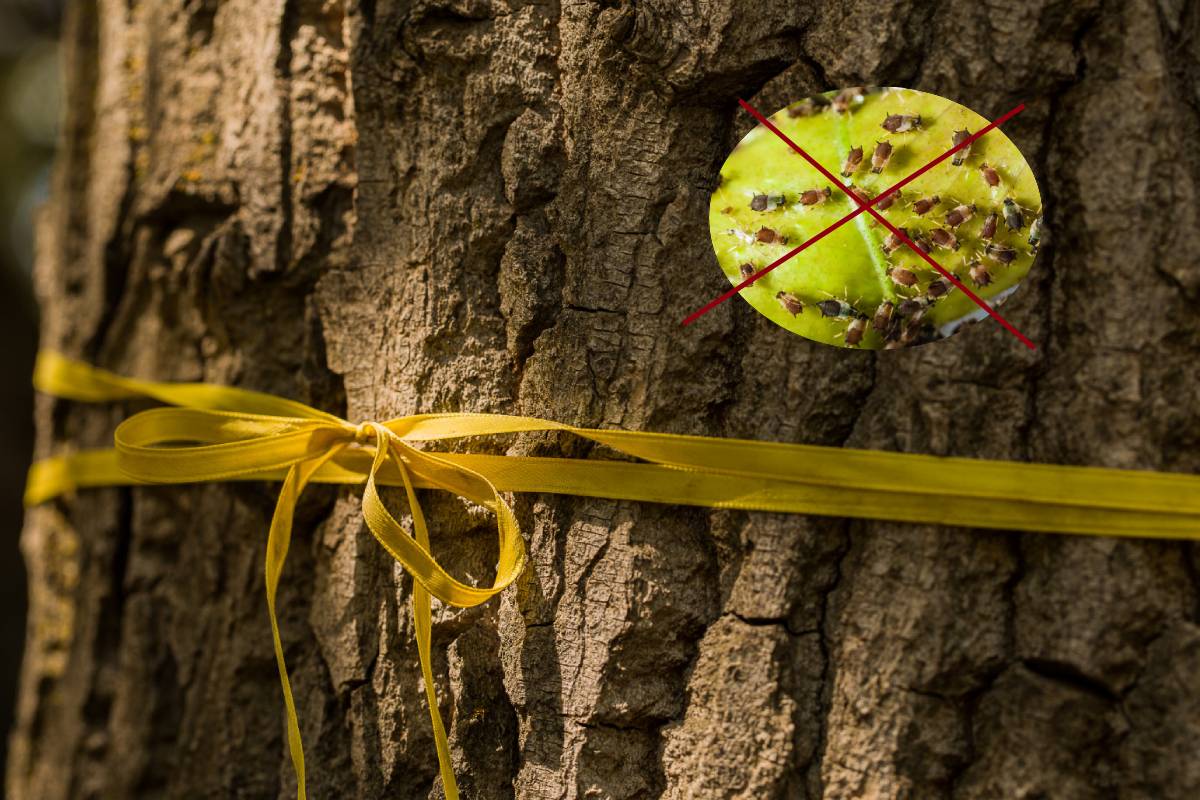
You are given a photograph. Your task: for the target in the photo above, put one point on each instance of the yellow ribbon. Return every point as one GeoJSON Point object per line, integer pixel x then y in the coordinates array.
{"type": "Point", "coordinates": [219, 433]}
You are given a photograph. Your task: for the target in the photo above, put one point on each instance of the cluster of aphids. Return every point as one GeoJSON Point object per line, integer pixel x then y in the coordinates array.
{"type": "Point", "coordinates": [904, 323]}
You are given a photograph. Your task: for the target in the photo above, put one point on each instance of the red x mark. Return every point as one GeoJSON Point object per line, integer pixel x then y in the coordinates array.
{"type": "Point", "coordinates": [867, 206]}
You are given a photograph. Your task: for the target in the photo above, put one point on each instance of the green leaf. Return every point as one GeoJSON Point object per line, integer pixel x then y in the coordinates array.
{"type": "Point", "coordinates": [850, 265]}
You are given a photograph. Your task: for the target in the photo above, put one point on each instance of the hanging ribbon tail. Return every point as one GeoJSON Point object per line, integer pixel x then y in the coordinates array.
{"type": "Point", "coordinates": [279, 539]}
{"type": "Point", "coordinates": [423, 626]}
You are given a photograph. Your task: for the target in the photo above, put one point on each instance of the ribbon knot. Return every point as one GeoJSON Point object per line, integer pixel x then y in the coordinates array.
{"type": "Point", "coordinates": [364, 432]}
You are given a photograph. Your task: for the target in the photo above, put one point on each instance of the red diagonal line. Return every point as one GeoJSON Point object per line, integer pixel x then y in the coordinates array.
{"type": "Point", "coordinates": [861, 208]}
{"type": "Point", "coordinates": [903, 237]}
{"type": "Point", "coordinates": [695, 315]}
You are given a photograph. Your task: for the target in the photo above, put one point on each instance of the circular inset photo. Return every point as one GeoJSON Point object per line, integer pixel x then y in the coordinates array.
{"type": "Point", "coordinates": [977, 214]}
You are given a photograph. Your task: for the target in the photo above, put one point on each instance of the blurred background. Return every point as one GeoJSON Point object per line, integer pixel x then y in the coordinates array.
{"type": "Point", "coordinates": [29, 113]}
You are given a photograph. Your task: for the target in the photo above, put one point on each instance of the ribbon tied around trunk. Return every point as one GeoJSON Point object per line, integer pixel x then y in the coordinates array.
{"type": "Point", "coordinates": [220, 433]}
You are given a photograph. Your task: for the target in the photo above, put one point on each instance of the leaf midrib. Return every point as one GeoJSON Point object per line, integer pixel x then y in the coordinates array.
{"type": "Point", "coordinates": [872, 243]}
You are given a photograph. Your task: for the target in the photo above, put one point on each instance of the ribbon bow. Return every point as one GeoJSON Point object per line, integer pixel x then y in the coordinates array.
{"type": "Point", "coordinates": [236, 434]}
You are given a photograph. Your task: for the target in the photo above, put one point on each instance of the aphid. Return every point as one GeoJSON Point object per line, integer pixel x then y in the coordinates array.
{"type": "Point", "coordinates": [790, 302]}
{"type": "Point", "coordinates": [879, 159]}
{"type": "Point", "coordinates": [769, 236]}
{"type": "Point", "coordinates": [766, 202]}
{"type": "Point", "coordinates": [944, 239]}
{"type": "Point", "coordinates": [1000, 253]}
{"type": "Point", "coordinates": [854, 333]}
{"type": "Point", "coordinates": [886, 201]}
{"type": "Point", "coordinates": [901, 123]}
{"type": "Point", "coordinates": [990, 175]}
{"type": "Point", "coordinates": [812, 197]}
{"type": "Point", "coordinates": [913, 331]}
{"type": "Point", "coordinates": [1013, 217]}
{"type": "Point", "coordinates": [893, 241]}
{"type": "Point", "coordinates": [922, 243]}
{"type": "Point", "coordinates": [961, 155]}
{"type": "Point", "coordinates": [959, 215]}
{"type": "Point", "coordinates": [847, 97]}
{"type": "Point", "coordinates": [746, 269]}
{"type": "Point", "coordinates": [923, 205]}
{"type": "Point", "coordinates": [835, 308]}
{"type": "Point", "coordinates": [862, 196]}
{"type": "Point", "coordinates": [910, 307]}
{"type": "Point", "coordinates": [1035, 233]}
{"type": "Point", "coordinates": [939, 288]}
{"type": "Point", "coordinates": [809, 106]}
{"type": "Point", "coordinates": [902, 277]}
{"type": "Point", "coordinates": [988, 231]}
{"type": "Point", "coordinates": [979, 273]}
{"type": "Point", "coordinates": [853, 161]}
{"type": "Point", "coordinates": [883, 316]}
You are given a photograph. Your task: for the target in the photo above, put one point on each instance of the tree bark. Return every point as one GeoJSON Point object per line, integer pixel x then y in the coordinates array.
{"type": "Point", "coordinates": [385, 208]}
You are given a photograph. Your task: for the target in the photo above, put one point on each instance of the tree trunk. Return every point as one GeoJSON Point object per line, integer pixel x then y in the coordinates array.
{"type": "Point", "coordinates": [387, 208]}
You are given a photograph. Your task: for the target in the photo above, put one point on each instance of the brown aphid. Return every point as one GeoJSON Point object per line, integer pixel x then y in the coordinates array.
{"type": "Point", "coordinates": [893, 331]}
{"type": "Point", "coordinates": [809, 106]}
{"type": "Point", "coordinates": [812, 197]}
{"type": "Point", "coordinates": [990, 175]}
{"type": "Point", "coordinates": [862, 196]}
{"type": "Point", "coordinates": [893, 241]}
{"type": "Point", "coordinates": [846, 97]}
{"type": "Point", "coordinates": [887, 200]}
{"type": "Point", "coordinates": [854, 333]}
{"type": "Point", "coordinates": [944, 239]}
{"type": "Point", "coordinates": [979, 273]}
{"type": "Point", "coordinates": [939, 288]}
{"type": "Point", "coordinates": [923, 205]}
{"type": "Point", "coordinates": [883, 316]}
{"type": "Point", "coordinates": [901, 123]}
{"type": "Point", "coordinates": [1013, 217]}
{"type": "Point", "coordinates": [960, 214]}
{"type": "Point", "coordinates": [746, 269]}
{"type": "Point", "coordinates": [769, 236]}
{"type": "Point", "coordinates": [910, 307]}
{"type": "Point", "coordinates": [881, 156]}
{"type": "Point", "coordinates": [961, 155]}
{"type": "Point", "coordinates": [913, 331]}
{"type": "Point", "coordinates": [902, 277]}
{"type": "Point", "coordinates": [790, 302]}
{"type": "Point", "coordinates": [988, 231]}
{"type": "Point", "coordinates": [922, 243]}
{"type": "Point", "coordinates": [766, 202]}
{"type": "Point", "coordinates": [853, 162]}
{"type": "Point", "coordinates": [1035, 234]}
{"type": "Point", "coordinates": [835, 308]}
{"type": "Point", "coordinates": [1000, 253]}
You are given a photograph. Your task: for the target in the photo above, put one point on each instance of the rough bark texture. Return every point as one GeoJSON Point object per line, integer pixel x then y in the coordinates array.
{"type": "Point", "coordinates": [385, 208]}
